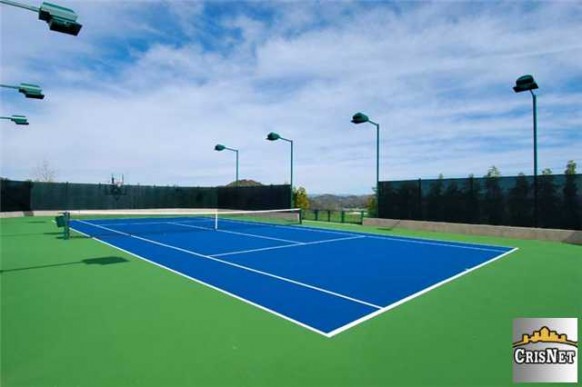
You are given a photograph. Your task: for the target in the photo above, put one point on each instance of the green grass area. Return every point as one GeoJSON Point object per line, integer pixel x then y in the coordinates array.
{"type": "Point", "coordinates": [80, 313]}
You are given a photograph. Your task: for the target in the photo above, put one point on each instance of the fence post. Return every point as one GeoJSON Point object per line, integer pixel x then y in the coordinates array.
{"type": "Point", "coordinates": [420, 212]}
{"type": "Point", "coordinates": [473, 210]}
{"type": "Point", "coordinates": [343, 216]}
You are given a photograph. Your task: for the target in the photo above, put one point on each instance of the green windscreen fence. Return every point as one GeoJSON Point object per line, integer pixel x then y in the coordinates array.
{"type": "Point", "coordinates": [265, 197]}
{"type": "Point", "coordinates": [506, 201]}
{"type": "Point", "coordinates": [30, 196]}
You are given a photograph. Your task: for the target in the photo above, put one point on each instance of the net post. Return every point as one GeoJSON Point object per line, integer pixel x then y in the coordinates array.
{"type": "Point", "coordinates": [301, 216]}
{"type": "Point", "coordinates": [66, 229]}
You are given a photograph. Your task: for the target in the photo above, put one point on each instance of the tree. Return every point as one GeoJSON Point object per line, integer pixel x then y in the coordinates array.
{"type": "Point", "coordinates": [300, 198]}
{"type": "Point", "coordinates": [453, 203]}
{"type": "Point", "coordinates": [44, 173]}
{"type": "Point", "coordinates": [519, 202]}
{"type": "Point", "coordinates": [434, 200]}
{"type": "Point", "coordinates": [493, 205]}
{"type": "Point", "coordinates": [471, 200]}
{"type": "Point", "coordinates": [406, 200]}
{"type": "Point", "coordinates": [372, 207]}
{"type": "Point", "coordinates": [493, 172]}
{"type": "Point", "coordinates": [548, 200]}
{"type": "Point", "coordinates": [571, 214]}
{"type": "Point", "coordinates": [570, 168]}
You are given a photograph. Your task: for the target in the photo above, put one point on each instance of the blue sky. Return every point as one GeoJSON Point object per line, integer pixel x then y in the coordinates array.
{"type": "Point", "coordinates": [148, 88]}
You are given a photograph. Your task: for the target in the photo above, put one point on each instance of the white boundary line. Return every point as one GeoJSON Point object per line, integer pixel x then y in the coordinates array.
{"type": "Point", "coordinates": [433, 243]}
{"type": "Point", "coordinates": [236, 233]}
{"type": "Point", "coordinates": [201, 220]}
{"type": "Point", "coordinates": [299, 244]}
{"type": "Point", "coordinates": [413, 296]}
{"type": "Point", "coordinates": [461, 245]}
{"type": "Point", "coordinates": [309, 327]}
{"type": "Point", "coordinates": [267, 274]}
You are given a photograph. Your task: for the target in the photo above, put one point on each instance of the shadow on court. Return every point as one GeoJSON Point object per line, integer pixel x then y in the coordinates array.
{"type": "Point", "coordinates": [102, 261]}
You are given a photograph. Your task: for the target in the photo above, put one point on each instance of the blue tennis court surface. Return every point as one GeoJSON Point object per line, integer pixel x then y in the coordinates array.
{"type": "Point", "coordinates": [323, 280]}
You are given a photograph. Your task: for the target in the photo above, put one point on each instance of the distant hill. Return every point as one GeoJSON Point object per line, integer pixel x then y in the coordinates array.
{"type": "Point", "coordinates": [245, 183]}
{"type": "Point", "coordinates": [338, 202]}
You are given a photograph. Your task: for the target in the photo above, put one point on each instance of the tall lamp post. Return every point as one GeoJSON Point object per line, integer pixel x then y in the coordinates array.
{"type": "Point", "coordinates": [28, 89]}
{"type": "Point", "coordinates": [527, 83]}
{"type": "Point", "coordinates": [360, 118]}
{"type": "Point", "coordinates": [17, 119]}
{"type": "Point", "coordinates": [58, 18]}
{"type": "Point", "coordinates": [274, 137]}
{"type": "Point", "coordinates": [220, 148]}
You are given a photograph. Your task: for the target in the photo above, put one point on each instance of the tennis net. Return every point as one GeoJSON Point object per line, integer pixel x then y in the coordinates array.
{"type": "Point", "coordinates": [143, 222]}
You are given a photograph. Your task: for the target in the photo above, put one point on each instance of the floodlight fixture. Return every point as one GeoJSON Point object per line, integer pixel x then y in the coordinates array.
{"type": "Point", "coordinates": [28, 89]}
{"type": "Point", "coordinates": [17, 119]}
{"type": "Point", "coordinates": [525, 83]}
{"type": "Point", "coordinates": [273, 136]}
{"type": "Point", "coordinates": [58, 18]}
{"type": "Point", "coordinates": [31, 91]}
{"type": "Point", "coordinates": [360, 118]}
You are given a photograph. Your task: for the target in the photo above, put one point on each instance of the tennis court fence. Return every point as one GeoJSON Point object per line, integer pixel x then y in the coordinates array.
{"type": "Point", "coordinates": [508, 201]}
{"type": "Point", "coordinates": [355, 216]}
{"type": "Point", "coordinates": [34, 196]}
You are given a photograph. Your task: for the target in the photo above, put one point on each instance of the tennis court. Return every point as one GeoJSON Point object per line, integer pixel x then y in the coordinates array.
{"type": "Point", "coordinates": [80, 312]}
{"type": "Point", "coordinates": [323, 280]}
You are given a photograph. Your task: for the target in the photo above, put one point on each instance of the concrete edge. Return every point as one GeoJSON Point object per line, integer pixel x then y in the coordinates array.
{"type": "Point", "coordinates": [542, 234]}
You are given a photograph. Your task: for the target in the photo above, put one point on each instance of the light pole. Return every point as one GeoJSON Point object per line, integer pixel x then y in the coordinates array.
{"type": "Point", "coordinates": [17, 119]}
{"type": "Point", "coordinates": [28, 89]}
{"type": "Point", "coordinates": [274, 137]}
{"type": "Point", "coordinates": [360, 118]}
{"type": "Point", "coordinates": [59, 18]}
{"type": "Point", "coordinates": [527, 83]}
{"type": "Point", "coordinates": [220, 148]}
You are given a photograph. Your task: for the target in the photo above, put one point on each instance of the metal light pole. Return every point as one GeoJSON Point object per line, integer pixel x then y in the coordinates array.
{"type": "Point", "coordinates": [28, 89]}
{"type": "Point", "coordinates": [220, 147]}
{"type": "Point", "coordinates": [527, 83]}
{"type": "Point", "coordinates": [59, 18]}
{"type": "Point", "coordinates": [360, 118]}
{"type": "Point", "coordinates": [274, 137]}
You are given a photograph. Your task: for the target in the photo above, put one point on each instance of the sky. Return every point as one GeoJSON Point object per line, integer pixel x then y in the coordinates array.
{"type": "Point", "coordinates": [148, 88]}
